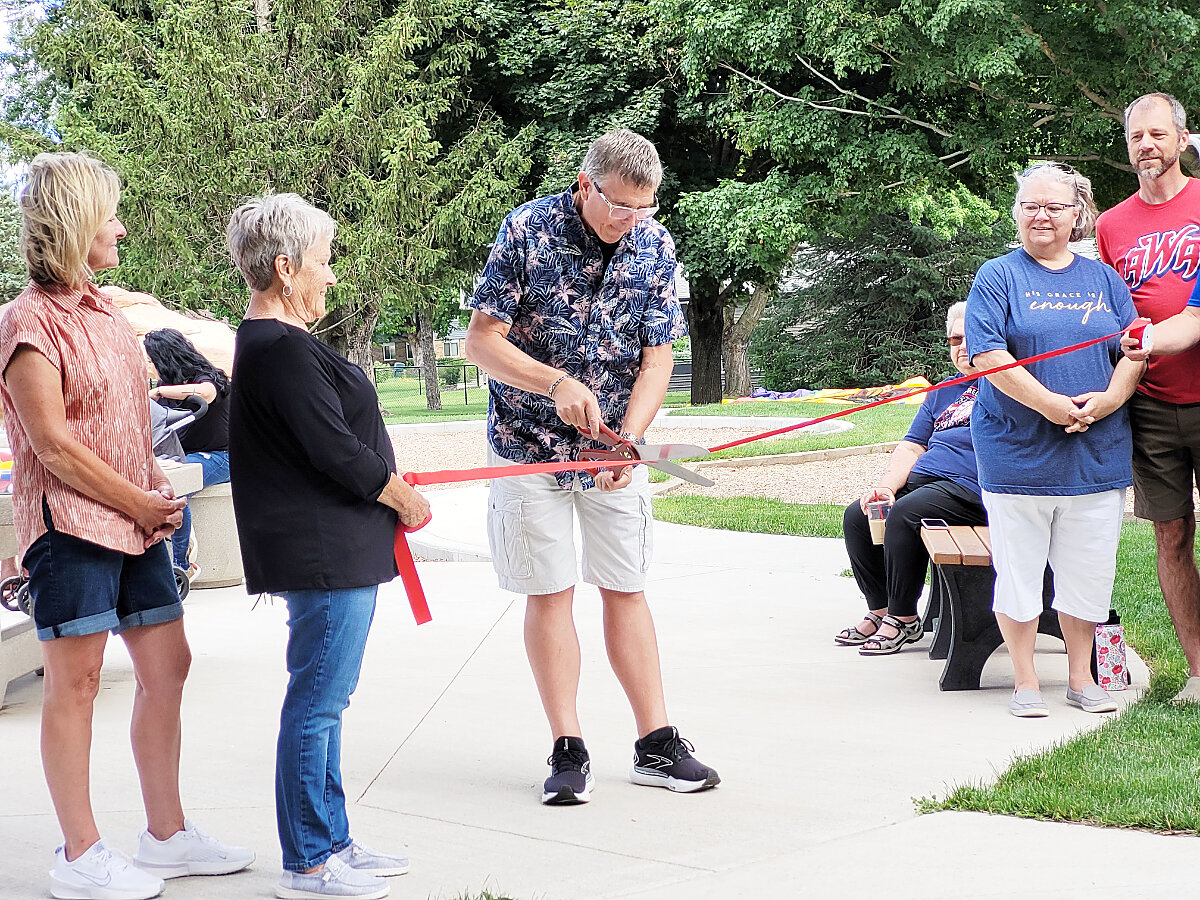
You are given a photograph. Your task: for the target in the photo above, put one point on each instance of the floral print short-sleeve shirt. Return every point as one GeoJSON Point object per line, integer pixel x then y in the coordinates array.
{"type": "Point", "coordinates": [546, 278]}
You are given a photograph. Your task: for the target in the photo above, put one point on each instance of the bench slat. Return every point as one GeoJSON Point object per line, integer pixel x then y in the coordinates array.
{"type": "Point", "coordinates": [974, 551]}
{"type": "Point", "coordinates": [942, 548]}
{"type": "Point", "coordinates": [981, 531]}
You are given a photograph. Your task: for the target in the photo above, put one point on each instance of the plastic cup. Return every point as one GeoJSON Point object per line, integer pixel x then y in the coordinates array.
{"type": "Point", "coordinates": [877, 512]}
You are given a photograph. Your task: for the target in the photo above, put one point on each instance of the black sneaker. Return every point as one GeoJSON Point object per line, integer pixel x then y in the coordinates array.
{"type": "Point", "coordinates": [570, 778]}
{"type": "Point", "coordinates": [663, 759]}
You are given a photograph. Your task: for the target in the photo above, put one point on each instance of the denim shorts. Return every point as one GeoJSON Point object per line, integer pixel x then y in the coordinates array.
{"type": "Point", "coordinates": [82, 588]}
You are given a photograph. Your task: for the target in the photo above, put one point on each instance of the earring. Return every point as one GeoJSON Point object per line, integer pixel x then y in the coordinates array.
{"type": "Point", "coordinates": [287, 289]}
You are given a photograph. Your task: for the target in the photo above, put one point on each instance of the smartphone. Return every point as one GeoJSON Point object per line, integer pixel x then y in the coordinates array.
{"type": "Point", "coordinates": [934, 523]}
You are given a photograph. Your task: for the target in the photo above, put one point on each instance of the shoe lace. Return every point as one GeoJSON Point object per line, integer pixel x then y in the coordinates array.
{"type": "Point", "coordinates": [563, 760]}
{"type": "Point", "coordinates": [677, 747]}
{"type": "Point", "coordinates": [112, 859]}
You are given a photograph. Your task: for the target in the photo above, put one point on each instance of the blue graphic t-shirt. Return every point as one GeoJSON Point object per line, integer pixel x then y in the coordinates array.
{"type": "Point", "coordinates": [946, 439]}
{"type": "Point", "coordinates": [546, 276]}
{"type": "Point", "coordinates": [1017, 304]}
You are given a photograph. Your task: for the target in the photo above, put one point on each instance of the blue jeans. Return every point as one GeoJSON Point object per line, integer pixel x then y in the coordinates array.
{"type": "Point", "coordinates": [215, 464]}
{"type": "Point", "coordinates": [327, 636]}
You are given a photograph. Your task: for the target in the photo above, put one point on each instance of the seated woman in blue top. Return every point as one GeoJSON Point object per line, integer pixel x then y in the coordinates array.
{"type": "Point", "coordinates": [930, 475]}
{"type": "Point", "coordinates": [1052, 437]}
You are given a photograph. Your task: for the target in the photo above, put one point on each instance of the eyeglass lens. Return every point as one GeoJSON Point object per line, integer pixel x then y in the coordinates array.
{"type": "Point", "coordinates": [1053, 210]}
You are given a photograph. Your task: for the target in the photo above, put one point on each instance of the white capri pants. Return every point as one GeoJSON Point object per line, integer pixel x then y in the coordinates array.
{"type": "Point", "coordinates": [531, 533]}
{"type": "Point", "coordinates": [1076, 535]}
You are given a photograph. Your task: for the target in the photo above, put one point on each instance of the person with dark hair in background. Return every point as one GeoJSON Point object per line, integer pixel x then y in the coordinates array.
{"type": "Point", "coordinates": [182, 373]}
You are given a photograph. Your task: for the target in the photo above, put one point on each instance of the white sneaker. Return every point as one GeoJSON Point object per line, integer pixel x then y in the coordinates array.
{"type": "Point", "coordinates": [189, 852]}
{"type": "Point", "coordinates": [335, 880]}
{"type": "Point", "coordinates": [364, 859]}
{"type": "Point", "coordinates": [100, 874]}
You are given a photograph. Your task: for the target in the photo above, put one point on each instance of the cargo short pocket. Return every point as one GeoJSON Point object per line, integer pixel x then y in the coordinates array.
{"type": "Point", "coordinates": [646, 533]}
{"type": "Point", "coordinates": [506, 535]}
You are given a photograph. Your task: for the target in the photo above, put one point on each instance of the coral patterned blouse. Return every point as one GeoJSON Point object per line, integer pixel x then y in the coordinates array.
{"type": "Point", "coordinates": [105, 389]}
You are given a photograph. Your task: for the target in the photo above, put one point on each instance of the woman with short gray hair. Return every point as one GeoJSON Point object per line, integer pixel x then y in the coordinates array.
{"type": "Point", "coordinates": [316, 498]}
{"type": "Point", "coordinates": [930, 475]}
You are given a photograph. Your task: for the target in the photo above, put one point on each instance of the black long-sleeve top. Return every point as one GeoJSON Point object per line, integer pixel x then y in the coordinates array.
{"type": "Point", "coordinates": [308, 458]}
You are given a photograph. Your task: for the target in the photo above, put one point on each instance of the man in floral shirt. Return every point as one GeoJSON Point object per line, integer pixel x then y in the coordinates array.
{"type": "Point", "coordinates": [574, 318]}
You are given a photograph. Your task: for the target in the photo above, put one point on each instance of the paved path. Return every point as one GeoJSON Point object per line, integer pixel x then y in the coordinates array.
{"type": "Point", "coordinates": [445, 746]}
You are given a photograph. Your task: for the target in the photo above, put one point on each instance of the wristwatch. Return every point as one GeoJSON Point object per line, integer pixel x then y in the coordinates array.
{"type": "Point", "coordinates": [632, 438]}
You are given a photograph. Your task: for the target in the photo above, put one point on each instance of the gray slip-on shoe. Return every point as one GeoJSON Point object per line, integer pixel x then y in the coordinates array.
{"type": "Point", "coordinates": [1028, 704]}
{"type": "Point", "coordinates": [1190, 692]}
{"type": "Point", "coordinates": [1092, 698]}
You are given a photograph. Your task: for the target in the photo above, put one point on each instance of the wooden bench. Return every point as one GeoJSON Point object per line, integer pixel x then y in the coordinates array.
{"type": "Point", "coordinates": [965, 633]}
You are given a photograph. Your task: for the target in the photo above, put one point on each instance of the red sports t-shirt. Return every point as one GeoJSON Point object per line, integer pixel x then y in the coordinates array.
{"type": "Point", "coordinates": [1156, 249]}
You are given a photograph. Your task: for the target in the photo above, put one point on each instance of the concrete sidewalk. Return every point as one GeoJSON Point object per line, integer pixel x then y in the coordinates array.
{"type": "Point", "coordinates": [820, 751]}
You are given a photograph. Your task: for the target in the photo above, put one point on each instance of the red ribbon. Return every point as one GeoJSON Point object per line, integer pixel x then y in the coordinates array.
{"type": "Point", "coordinates": [404, 559]}
{"type": "Point", "coordinates": [408, 567]}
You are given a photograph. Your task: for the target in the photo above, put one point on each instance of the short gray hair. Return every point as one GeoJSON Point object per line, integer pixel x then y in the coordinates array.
{"type": "Point", "coordinates": [1178, 114]}
{"type": "Point", "coordinates": [1085, 222]}
{"type": "Point", "coordinates": [271, 226]}
{"type": "Point", "coordinates": [624, 153]}
{"type": "Point", "coordinates": [954, 313]}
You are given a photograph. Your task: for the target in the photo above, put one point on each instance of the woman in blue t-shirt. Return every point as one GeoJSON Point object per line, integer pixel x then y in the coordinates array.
{"type": "Point", "coordinates": [930, 475]}
{"type": "Point", "coordinates": [1052, 437]}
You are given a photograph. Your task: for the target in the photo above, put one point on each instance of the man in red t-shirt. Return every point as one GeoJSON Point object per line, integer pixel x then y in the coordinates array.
{"type": "Point", "coordinates": [1153, 240]}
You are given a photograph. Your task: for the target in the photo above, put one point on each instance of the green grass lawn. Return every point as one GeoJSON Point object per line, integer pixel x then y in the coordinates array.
{"type": "Point", "coordinates": [404, 400]}
{"type": "Point", "coordinates": [1140, 769]}
{"type": "Point", "coordinates": [751, 514]}
{"type": "Point", "coordinates": [871, 426]}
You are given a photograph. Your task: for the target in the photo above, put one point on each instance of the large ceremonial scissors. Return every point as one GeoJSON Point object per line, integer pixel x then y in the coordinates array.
{"type": "Point", "coordinates": [657, 456]}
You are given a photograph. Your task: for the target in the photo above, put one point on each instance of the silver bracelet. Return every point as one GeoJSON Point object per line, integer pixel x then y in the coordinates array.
{"type": "Point", "coordinates": [557, 382]}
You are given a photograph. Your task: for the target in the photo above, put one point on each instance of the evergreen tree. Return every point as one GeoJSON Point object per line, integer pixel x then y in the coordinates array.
{"type": "Point", "coordinates": [360, 108]}
{"type": "Point", "coordinates": [871, 309]}
{"type": "Point", "coordinates": [13, 273]}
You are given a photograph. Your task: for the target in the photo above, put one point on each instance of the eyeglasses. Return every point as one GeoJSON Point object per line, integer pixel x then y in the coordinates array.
{"type": "Point", "coordinates": [955, 340]}
{"type": "Point", "coordinates": [1053, 210]}
{"type": "Point", "coordinates": [623, 214]}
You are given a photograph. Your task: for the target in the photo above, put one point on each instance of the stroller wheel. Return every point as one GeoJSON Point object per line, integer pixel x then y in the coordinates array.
{"type": "Point", "coordinates": [25, 599]}
{"type": "Point", "coordinates": [182, 583]}
{"type": "Point", "coordinates": [8, 592]}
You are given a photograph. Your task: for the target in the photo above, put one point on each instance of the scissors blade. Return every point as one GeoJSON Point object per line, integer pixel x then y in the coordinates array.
{"type": "Point", "coordinates": [680, 472]}
{"type": "Point", "coordinates": [659, 452]}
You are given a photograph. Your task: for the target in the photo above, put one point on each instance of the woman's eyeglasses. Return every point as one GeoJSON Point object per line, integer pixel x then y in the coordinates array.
{"type": "Point", "coordinates": [1053, 210]}
{"type": "Point", "coordinates": [955, 340]}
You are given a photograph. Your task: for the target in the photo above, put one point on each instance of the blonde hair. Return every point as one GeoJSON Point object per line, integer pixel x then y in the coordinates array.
{"type": "Point", "coordinates": [268, 227]}
{"type": "Point", "coordinates": [66, 200]}
{"type": "Point", "coordinates": [627, 154]}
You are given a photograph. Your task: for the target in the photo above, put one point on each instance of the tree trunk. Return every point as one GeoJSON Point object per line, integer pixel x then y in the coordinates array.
{"type": "Point", "coordinates": [433, 389]}
{"type": "Point", "coordinates": [736, 341]}
{"type": "Point", "coordinates": [349, 332]}
{"type": "Point", "coordinates": [705, 328]}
